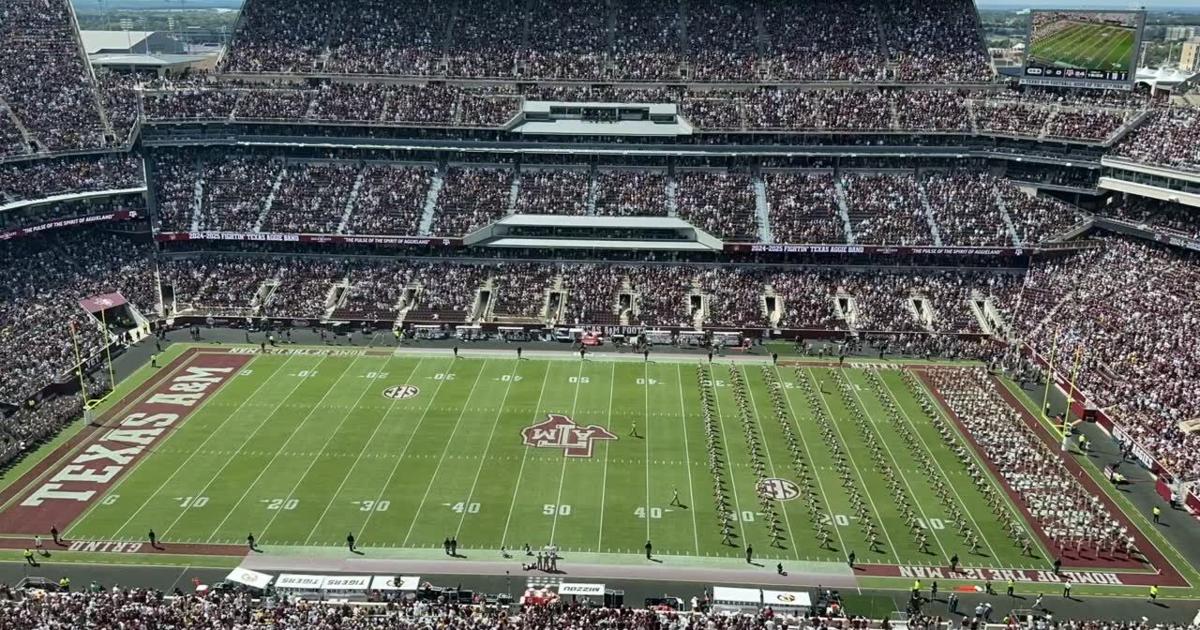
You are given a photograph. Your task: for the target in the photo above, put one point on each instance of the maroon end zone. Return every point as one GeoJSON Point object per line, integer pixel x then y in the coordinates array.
{"type": "Point", "coordinates": [1134, 570]}
{"type": "Point", "coordinates": [59, 489]}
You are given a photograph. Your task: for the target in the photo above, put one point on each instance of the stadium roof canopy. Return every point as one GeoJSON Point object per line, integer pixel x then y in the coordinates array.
{"type": "Point", "coordinates": [95, 42]}
{"type": "Point", "coordinates": [631, 223]}
{"type": "Point", "coordinates": [1166, 78]}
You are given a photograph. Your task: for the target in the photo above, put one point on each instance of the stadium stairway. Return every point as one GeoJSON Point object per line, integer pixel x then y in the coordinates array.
{"type": "Point", "coordinates": [624, 310]}
{"type": "Point", "coordinates": [351, 200]}
{"type": "Point", "coordinates": [266, 291]}
{"type": "Point", "coordinates": [844, 211]}
{"type": "Point", "coordinates": [513, 193]}
{"type": "Point", "coordinates": [996, 321]}
{"type": "Point", "coordinates": [762, 211]}
{"type": "Point", "coordinates": [431, 200]}
{"type": "Point", "coordinates": [485, 302]}
{"type": "Point", "coordinates": [978, 305]}
{"type": "Point", "coordinates": [1130, 124]}
{"type": "Point", "coordinates": [672, 198]}
{"type": "Point", "coordinates": [26, 138]}
{"type": "Point", "coordinates": [697, 305]}
{"type": "Point", "coordinates": [921, 310]}
{"type": "Point", "coordinates": [554, 309]}
{"type": "Point", "coordinates": [593, 190]}
{"type": "Point", "coordinates": [197, 203]}
{"type": "Point", "coordinates": [270, 201]}
{"type": "Point", "coordinates": [929, 217]}
{"type": "Point", "coordinates": [1045, 130]}
{"type": "Point", "coordinates": [846, 309]}
{"type": "Point", "coordinates": [772, 306]}
{"type": "Point", "coordinates": [335, 297]}
{"type": "Point", "coordinates": [1008, 222]}
{"type": "Point", "coordinates": [406, 302]}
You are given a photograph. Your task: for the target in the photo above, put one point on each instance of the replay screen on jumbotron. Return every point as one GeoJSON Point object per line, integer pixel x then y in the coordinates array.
{"type": "Point", "coordinates": [1083, 47]}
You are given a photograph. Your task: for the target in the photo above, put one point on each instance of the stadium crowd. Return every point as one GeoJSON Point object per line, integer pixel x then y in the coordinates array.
{"type": "Point", "coordinates": [45, 80]}
{"type": "Point", "coordinates": [46, 276]}
{"type": "Point", "coordinates": [1168, 138]}
{"type": "Point", "coordinates": [1129, 308]}
{"type": "Point", "coordinates": [647, 295]}
{"type": "Point", "coordinates": [721, 203]}
{"type": "Point", "coordinates": [1027, 113]}
{"type": "Point", "coordinates": [137, 609]}
{"type": "Point", "coordinates": [710, 41]}
{"type": "Point", "coordinates": [1165, 216]}
{"type": "Point", "coordinates": [32, 180]}
{"type": "Point", "coordinates": [252, 193]}
{"type": "Point", "coordinates": [427, 105]}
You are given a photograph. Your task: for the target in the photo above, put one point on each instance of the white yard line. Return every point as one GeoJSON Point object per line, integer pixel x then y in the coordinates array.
{"type": "Point", "coordinates": [446, 449]}
{"type": "Point", "coordinates": [949, 482]}
{"type": "Point", "coordinates": [850, 456]}
{"type": "Point", "coordinates": [403, 452]}
{"type": "Point", "coordinates": [770, 461]}
{"type": "Point", "coordinates": [382, 421]}
{"type": "Point", "coordinates": [820, 485]}
{"type": "Point", "coordinates": [512, 504]}
{"type": "Point", "coordinates": [197, 450]}
{"type": "Point", "coordinates": [646, 439]}
{"type": "Point", "coordinates": [282, 448]}
{"type": "Point", "coordinates": [512, 377]}
{"type": "Point", "coordinates": [687, 458]}
{"type": "Point", "coordinates": [892, 456]}
{"type": "Point", "coordinates": [612, 386]}
{"type": "Point", "coordinates": [562, 474]}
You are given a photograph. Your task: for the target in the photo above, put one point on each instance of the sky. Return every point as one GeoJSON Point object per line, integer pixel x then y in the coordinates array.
{"type": "Point", "coordinates": [1153, 5]}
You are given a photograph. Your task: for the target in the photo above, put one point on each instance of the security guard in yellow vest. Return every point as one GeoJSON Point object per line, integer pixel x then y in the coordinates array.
{"type": "Point", "coordinates": [64, 584]}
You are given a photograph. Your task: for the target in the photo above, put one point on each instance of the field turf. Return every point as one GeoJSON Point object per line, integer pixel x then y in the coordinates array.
{"type": "Point", "coordinates": [1086, 46]}
{"type": "Point", "coordinates": [301, 449]}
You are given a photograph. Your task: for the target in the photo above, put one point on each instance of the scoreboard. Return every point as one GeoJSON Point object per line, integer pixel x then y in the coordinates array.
{"type": "Point", "coordinates": [1083, 48]}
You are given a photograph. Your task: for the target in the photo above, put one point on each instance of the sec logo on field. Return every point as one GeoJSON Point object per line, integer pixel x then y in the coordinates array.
{"type": "Point", "coordinates": [401, 392]}
{"type": "Point", "coordinates": [778, 489]}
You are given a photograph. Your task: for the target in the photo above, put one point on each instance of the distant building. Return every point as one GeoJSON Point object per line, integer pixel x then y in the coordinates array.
{"type": "Point", "coordinates": [1180, 33]}
{"type": "Point", "coordinates": [131, 42]}
{"type": "Point", "coordinates": [1189, 55]}
{"type": "Point", "coordinates": [160, 52]}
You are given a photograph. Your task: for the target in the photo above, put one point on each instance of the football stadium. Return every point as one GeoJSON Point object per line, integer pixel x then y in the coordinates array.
{"type": "Point", "coordinates": [694, 314]}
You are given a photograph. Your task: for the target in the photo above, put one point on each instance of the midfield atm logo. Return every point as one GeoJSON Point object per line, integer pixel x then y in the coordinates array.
{"type": "Point", "coordinates": [559, 431]}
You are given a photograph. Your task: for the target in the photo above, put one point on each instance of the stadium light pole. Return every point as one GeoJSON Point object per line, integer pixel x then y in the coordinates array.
{"type": "Point", "coordinates": [1049, 377]}
{"type": "Point", "coordinates": [1071, 397]}
{"type": "Point", "coordinates": [112, 381]}
{"type": "Point", "coordinates": [79, 366]}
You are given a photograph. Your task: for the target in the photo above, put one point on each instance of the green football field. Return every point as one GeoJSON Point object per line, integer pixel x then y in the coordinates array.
{"type": "Point", "coordinates": [1086, 46]}
{"type": "Point", "coordinates": [406, 449]}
